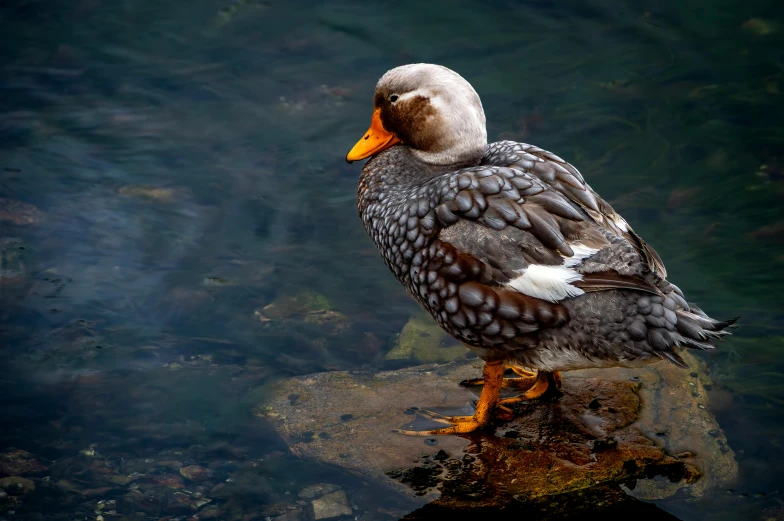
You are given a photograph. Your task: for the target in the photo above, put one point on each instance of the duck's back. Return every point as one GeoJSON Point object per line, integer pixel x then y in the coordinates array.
{"type": "Point", "coordinates": [521, 260]}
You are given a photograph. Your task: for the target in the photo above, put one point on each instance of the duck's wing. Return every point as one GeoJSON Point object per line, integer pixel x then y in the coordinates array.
{"type": "Point", "coordinates": [508, 255]}
{"type": "Point", "coordinates": [566, 180]}
{"type": "Point", "coordinates": [512, 251]}
{"type": "Point", "coordinates": [531, 238]}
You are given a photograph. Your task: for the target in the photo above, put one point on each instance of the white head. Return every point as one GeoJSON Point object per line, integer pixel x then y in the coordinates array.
{"type": "Point", "coordinates": [434, 111]}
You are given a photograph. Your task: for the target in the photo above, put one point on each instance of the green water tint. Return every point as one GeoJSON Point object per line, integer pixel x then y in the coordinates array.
{"type": "Point", "coordinates": [170, 170]}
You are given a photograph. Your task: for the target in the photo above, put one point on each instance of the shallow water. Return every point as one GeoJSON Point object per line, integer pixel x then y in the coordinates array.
{"type": "Point", "coordinates": [169, 168]}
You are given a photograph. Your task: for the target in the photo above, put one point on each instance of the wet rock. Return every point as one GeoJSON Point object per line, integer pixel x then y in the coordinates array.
{"type": "Point", "coordinates": [371, 344]}
{"type": "Point", "coordinates": [606, 429]}
{"type": "Point", "coordinates": [293, 306]}
{"type": "Point", "coordinates": [166, 480]}
{"type": "Point", "coordinates": [17, 462]}
{"type": "Point", "coordinates": [120, 479]}
{"type": "Point", "coordinates": [9, 504]}
{"type": "Point", "coordinates": [289, 515]}
{"type": "Point", "coordinates": [90, 452]}
{"type": "Point", "coordinates": [680, 402]}
{"type": "Point", "coordinates": [276, 510]}
{"type": "Point", "coordinates": [201, 501]}
{"type": "Point", "coordinates": [136, 501]}
{"type": "Point", "coordinates": [424, 341]}
{"type": "Point", "coordinates": [245, 482]}
{"type": "Point", "coordinates": [173, 465]}
{"type": "Point", "coordinates": [332, 322]}
{"type": "Point", "coordinates": [179, 503]}
{"type": "Point", "coordinates": [330, 506]}
{"type": "Point", "coordinates": [67, 487]}
{"type": "Point", "coordinates": [15, 261]}
{"type": "Point", "coordinates": [159, 194]}
{"type": "Point", "coordinates": [210, 512]}
{"type": "Point", "coordinates": [92, 493]}
{"type": "Point", "coordinates": [18, 212]}
{"type": "Point", "coordinates": [317, 333]}
{"type": "Point", "coordinates": [16, 486]}
{"type": "Point", "coordinates": [99, 471]}
{"type": "Point", "coordinates": [317, 490]}
{"type": "Point", "coordinates": [308, 308]}
{"type": "Point", "coordinates": [196, 473]}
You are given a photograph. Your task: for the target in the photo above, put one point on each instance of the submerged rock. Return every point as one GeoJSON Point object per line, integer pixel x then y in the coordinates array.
{"type": "Point", "coordinates": [19, 212]}
{"type": "Point", "coordinates": [180, 504]}
{"type": "Point", "coordinates": [161, 194]}
{"type": "Point", "coordinates": [317, 490]}
{"type": "Point", "coordinates": [317, 334]}
{"type": "Point", "coordinates": [423, 340]}
{"type": "Point", "coordinates": [16, 486]}
{"type": "Point", "coordinates": [17, 462]}
{"type": "Point", "coordinates": [610, 427]}
{"type": "Point", "coordinates": [293, 306]}
{"type": "Point", "coordinates": [136, 501]}
{"type": "Point", "coordinates": [331, 506]}
{"type": "Point", "coordinates": [15, 262]}
{"type": "Point", "coordinates": [304, 308]}
{"type": "Point", "coordinates": [195, 473]}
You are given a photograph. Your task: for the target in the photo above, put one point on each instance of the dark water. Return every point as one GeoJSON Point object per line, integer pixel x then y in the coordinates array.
{"type": "Point", "coordinates": [168, 168]}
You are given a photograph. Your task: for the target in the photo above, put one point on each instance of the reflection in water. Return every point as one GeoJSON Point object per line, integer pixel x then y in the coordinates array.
{"type": "Point", "coordinates": [169, 171]}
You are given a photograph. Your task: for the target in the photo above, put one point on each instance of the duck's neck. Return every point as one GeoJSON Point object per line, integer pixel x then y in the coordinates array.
{"type": "Point", "coordinates": [401, 166]}
{"type": "Point", "coordinates": [459, 156]}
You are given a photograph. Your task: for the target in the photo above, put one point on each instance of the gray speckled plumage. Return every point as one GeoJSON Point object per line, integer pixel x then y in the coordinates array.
{"type": "Point", "coordinates": [520, 259]}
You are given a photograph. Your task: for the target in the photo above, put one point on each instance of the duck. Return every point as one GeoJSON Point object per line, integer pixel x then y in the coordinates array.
{"type": "Point", "coordinates": [509, 249]}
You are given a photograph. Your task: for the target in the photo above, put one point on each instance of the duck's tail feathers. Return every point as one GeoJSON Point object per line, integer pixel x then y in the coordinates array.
{"type": "Point", "coordinates": [697, 329]}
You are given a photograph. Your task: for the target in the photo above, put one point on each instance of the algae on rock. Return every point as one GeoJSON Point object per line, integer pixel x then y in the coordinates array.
{"type": "Point", "coordinates": [422, 340]}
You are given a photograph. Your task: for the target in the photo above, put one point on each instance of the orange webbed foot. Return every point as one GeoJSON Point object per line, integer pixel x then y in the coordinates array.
{"type": "Point", "coordinates": [547, 384]}
{"type": "Point", "coordinates": [493, 375]}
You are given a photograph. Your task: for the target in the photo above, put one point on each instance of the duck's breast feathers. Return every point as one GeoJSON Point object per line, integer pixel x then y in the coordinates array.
{"type": "Point", "coordinates": [567, 181]}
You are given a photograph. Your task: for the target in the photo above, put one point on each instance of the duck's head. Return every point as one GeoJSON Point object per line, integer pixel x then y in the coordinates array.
{"type": "Point", "coordinates": [430, 109]}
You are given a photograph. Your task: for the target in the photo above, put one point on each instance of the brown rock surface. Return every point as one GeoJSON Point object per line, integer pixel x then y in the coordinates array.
{"type": "Point", "coordinates": [16, 486]}
{"type": "Point", "coordinates": [195, 473]}
{"type": "Point", "coordinates": [610, 427]}
{"type": "Point", "coordinates": [17, 462]}
{"type": "Point", "coordinates": [334, 504]}
{"type": "Point", "coordinates": [19, 212]}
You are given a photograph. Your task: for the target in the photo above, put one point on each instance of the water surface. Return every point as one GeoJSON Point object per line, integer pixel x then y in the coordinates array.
{"type": "Point", "coordinates": [168, 168]}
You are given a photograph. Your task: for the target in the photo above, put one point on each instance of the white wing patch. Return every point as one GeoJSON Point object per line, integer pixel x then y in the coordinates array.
{"type": "Point", "coordinates": [581, 252]}
{"type": "Point", "coordinates": [551, 283]}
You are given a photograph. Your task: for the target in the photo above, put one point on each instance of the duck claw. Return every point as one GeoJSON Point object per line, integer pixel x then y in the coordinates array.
{"type": "Point", "coordinates": [459, 428]}
{"type": "Point", "coordinates": [441, 418]}
{"type": "Point", "coordinates": [485, 408]}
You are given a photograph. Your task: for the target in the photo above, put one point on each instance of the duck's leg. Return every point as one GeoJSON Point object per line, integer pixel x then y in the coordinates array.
{"type": "Point", "coordinates": [547, 384]}
{"type": "Point", "coordinates": [523, 372]}
{"type": "Point", "coordinates": [493, 374]}
{"type": "Point", "coordinates": [526, 380]}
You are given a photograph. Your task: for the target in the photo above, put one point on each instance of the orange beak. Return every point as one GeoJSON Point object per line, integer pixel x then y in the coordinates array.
{"type": "Point", "coordinates": [376, 139]}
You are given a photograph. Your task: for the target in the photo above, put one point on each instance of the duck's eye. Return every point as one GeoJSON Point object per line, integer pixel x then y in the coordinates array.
{"type": "Point", "coordinates": [393, 98]}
